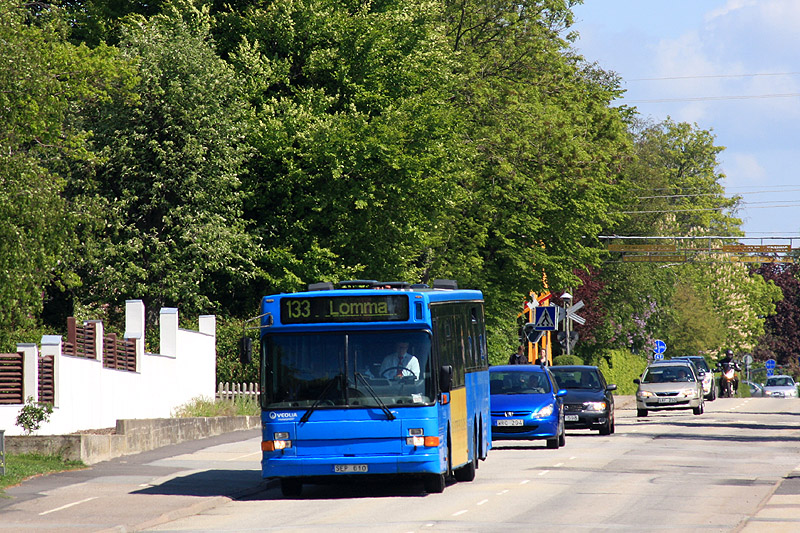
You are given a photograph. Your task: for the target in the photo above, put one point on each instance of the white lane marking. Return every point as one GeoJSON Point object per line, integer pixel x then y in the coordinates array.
{"type": "Point", "coordinates": [68, 506]}
{"type": "Point", "coordinates": [502, 492]}
{"type": "Point", "coordinates": [460, 512]}
{"type": "Point", "coordinates": [257, 454]}
{"type": "Point", "coordinates": [482, 502]}
{"type": "Point", "coordinates": [524, 481]}
{"type": "Point", "coordinates": [573, 457]}
{"type": "Point", "coordinates": [557, 465]}
{"type": "Point", "coordinates": [543, 472]}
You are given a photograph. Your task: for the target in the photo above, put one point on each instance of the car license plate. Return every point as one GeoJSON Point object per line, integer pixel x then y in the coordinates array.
{"type": "Point", "coordinates": [570, 418]}
{"type": "Point", "coordinates": [511, 422]}
{"type": "Point", "coordinates": [350, 469]}
{"type": "Point", "coordinates": [666, 400]}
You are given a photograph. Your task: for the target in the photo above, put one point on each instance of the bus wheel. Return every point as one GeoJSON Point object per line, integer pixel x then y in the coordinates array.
{"type": "Point", "coordinates": [434, 483]}
{"type": "Point", "coordinates": [467, 472]}
{"type": "Point", "coordinates": [291, 487]}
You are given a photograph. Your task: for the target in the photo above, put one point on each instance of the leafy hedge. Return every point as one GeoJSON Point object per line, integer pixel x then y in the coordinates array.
{"type": "Point", "coordinates": [567, 360]}
{"type": "Point", "coordinates": [620, 367]}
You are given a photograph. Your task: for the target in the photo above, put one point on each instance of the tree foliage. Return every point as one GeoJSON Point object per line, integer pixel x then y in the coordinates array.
{"type": "Point", "coordinates": [45, 83]}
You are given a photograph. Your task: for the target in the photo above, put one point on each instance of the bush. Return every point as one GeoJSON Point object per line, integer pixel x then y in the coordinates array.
{"type": "Point", "coordinates": [32, 415]}
{"type": "Point", "coordinates": [620, 367]}
{"type": "Point", "coordinates": [567, 360]}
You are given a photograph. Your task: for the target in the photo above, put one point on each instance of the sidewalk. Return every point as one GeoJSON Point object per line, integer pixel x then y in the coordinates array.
{"type": "Point", "coordinates": [144, 489]}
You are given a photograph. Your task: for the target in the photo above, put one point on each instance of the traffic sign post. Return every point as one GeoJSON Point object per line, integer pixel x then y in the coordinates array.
{"type": "Point", "coordinates": [658, 350]}
{"type": "Point", "coordinates": [770, 366]}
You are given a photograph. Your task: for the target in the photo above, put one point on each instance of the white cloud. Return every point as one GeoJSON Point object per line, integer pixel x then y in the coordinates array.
{"type": "Point", "coordinates": [742, 169]}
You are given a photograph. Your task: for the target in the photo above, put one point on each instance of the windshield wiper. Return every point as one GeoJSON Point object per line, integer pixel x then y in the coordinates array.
{"type": "Point", "coordinates": [369, 388]}
{"type": "Point", "coordinates": [331, 382]}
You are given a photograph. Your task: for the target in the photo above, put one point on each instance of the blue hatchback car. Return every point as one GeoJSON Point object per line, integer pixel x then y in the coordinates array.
{"type": "Point", "coordinates": [526, 404]}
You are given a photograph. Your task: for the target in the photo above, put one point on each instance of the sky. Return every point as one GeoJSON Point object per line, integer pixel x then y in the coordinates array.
{"type": "Point", "coordinates": [729, 66]}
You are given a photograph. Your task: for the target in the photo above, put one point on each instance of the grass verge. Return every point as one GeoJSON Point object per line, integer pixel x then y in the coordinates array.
{"type": "Point", "coordinates": [203, 407]}
{"type": "Point", "coordinates": [24, 466]}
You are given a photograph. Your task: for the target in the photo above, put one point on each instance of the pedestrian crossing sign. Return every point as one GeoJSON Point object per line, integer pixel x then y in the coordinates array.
{"type": "Point", "coordinates": [545, 318]}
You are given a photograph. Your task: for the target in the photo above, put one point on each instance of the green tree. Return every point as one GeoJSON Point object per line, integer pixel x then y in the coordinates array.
{"type": "Point", "coordinates": [45, 82]}
{"type": "Point", "coordinates": [546, 176]}
{"type": "Point", "coordinates": [169, 187]}
{"type": "Point", "coordinates": [357, 160]}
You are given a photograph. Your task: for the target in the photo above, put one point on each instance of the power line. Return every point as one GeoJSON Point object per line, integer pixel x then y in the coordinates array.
{"type": "Point", "coordinates": [712, 98]}
{"type": "Point", "coordinates": [708, 76]}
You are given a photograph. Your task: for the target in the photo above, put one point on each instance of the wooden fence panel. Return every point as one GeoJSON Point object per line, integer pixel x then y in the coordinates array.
{"type": "Point", "coordinates": [47, 382]}
{"type": "Point", "coordinates": [80, 339]}
{"type": "Point", "coordinates": [11, 378]}
{"type": "Point", "coordinates": [119, 354]}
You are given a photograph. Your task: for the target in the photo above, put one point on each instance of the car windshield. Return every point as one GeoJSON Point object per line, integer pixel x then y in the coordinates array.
{"type": "Point", "coordinates": [780, 381]}
{"type": "Point", "coordinates": [580, 378]}
{"type": "Point", "coordinates": [519, 382]}
{"type": "Point", "coordinates": [352, 369]}
{"type": "Point", "coordinates": [700, 363]}
{"type": "Point", "coordinates": [667, 374]}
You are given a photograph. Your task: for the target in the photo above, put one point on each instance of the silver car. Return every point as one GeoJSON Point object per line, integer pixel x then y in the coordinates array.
{"type": "Point", "coordinates": [780, 387]}
{"type": "Point", "coordinates": [669, 385]}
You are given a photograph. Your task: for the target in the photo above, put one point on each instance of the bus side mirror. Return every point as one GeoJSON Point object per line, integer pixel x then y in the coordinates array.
{"type": "Point", "coordinates": [445, 378]}
{"type": "Point", "coordinates": [245, 350]}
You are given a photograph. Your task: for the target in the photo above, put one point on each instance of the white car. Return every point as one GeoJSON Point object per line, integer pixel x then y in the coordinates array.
{"type": "Point", "coordinates": [780, 387]}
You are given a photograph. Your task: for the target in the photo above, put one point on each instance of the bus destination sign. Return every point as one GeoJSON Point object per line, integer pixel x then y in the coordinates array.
{"type": "Point", "coordinates": [378, 308]}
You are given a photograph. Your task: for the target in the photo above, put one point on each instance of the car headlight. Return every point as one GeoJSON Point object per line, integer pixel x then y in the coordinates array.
{"type": "Point", "coordinates": [645, 394]}
{"type": "Point", "coordinates": [690, 393]}
{"type": "Point", "coordinates": [595, 406]}
{"type": "Point", "coordinates": [547, 410]}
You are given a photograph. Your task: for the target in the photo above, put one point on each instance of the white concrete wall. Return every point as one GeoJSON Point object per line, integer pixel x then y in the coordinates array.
{"type": "Point", "coordinates": [89, 396]}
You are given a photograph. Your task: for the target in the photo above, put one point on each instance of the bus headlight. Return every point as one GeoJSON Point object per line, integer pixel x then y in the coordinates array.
{"type": "Point", "coordinates": [281, 442]}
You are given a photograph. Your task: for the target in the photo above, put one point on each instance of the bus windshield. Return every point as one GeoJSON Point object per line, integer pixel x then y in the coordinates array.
{"type": "Point", "coordinates": [347, 369]}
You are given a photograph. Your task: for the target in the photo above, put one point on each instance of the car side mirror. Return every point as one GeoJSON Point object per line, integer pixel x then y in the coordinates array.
{"type": "Point", "coordinates": [246, 350]}
{"type": "Point", "coordinates": [637, 381]}
{"type": "Point", "coordinates": [560, 393]}
{"type": "Point", "coordinates": [611, 387]}
{"type": "Point", "coordinates": [445, 378]}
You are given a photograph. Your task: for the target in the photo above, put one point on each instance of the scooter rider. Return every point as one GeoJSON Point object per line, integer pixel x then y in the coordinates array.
{"type": "Point", "coordinates": [725, 365]}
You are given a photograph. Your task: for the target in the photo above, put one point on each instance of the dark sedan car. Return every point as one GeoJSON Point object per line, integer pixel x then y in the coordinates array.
{"type": "Point", "coordinates": [589, 403]}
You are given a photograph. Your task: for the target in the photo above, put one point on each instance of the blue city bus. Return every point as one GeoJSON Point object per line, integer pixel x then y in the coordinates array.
{"type": "Point", "coordinates": [332, 406]}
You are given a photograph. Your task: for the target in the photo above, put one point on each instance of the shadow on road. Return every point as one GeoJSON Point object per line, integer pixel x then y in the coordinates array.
{"type": "Point", "coordinates": [208, 483]}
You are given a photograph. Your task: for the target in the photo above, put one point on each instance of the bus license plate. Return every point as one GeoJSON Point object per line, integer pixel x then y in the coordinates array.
{"type": "Point", "coordinates": [512, 422]}
{"type": "Point", "coordinates": [350, 469]}
{"type": "Point", "coordinates": [570, 418]}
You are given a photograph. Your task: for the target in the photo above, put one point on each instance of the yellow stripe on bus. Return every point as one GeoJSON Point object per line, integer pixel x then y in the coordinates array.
{"type": "Point", "coordinates": [459, 426]}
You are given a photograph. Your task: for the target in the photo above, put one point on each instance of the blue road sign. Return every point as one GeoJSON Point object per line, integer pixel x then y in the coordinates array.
{"type": "Point", "coordinates": [545, 318]}
{"type": "Point", "coordinates": [658, 356]}
{"type": "Point", "coordinates": [770, 366]}
{"type": "Point", "coordinates": [660, 348]}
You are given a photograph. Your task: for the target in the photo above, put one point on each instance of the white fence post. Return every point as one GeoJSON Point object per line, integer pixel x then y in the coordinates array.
{"type": "Point", "coordinates": [134, 328]}
{"type": "Point", "coordinates": [30, 371]}
{"type": "Point", "coordinates": [169, 331]}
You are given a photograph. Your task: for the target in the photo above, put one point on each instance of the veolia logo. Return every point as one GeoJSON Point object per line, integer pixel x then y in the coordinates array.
{"type": "Point", "coordinates": [282, 416]}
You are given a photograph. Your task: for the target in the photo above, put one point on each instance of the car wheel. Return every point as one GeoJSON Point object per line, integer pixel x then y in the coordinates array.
{"type": "Point", "coordinates": [641, 412]}
{"type": "Point", "coordinates": [608, 428]}
{"type": "Point", "coordinates": [552, 443]}
{"type": "Point", "coordinates": [713, 395]}
{"type": "Point", "coordinates": [698, 410]}
{"type": "Point", "coordinates": [613, 425]}
{"type": "Point", "coordinates": [562, 439]}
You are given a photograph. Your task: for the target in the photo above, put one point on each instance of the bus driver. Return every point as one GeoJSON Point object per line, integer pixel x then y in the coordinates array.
{"type": "Point", "coordinates": [400, 363]}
